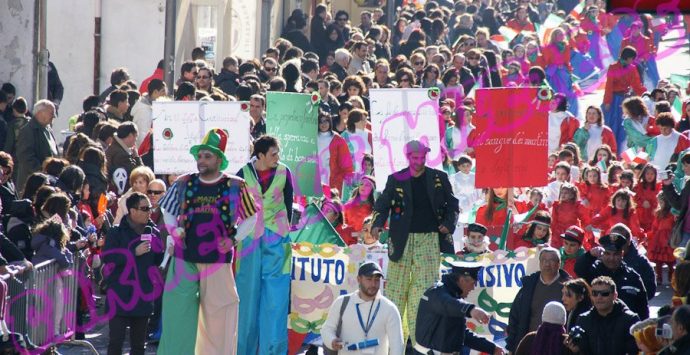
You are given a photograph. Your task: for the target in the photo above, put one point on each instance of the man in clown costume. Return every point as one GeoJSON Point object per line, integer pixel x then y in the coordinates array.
{"type": "Point", "coordinates": [206, 213]}
{"type": "Point", "coordinates": [264, 260]}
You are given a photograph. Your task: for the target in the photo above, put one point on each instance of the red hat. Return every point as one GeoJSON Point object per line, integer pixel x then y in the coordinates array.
{"type": "Point", "coordinates": [574, 234]}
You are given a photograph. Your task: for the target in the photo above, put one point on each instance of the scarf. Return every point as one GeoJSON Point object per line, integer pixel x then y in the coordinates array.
{"type": "Point", "coordinates": [565, 257]}
{"type": "Point", "coordinates": [549, 339]}
{"type": "Point", "coordinates": [532, 57]}
{"type": "Point", "coordinates": [560, 46]}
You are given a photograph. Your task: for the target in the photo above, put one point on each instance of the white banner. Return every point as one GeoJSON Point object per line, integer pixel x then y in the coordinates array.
{"type": "Point", "coordinates": [397, 116]}
{"type": "Point", "coordinates": [177, 126]}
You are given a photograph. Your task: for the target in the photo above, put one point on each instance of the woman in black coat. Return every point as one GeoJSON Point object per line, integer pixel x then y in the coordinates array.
{"type": "Point", "coordinates": [133, 250]}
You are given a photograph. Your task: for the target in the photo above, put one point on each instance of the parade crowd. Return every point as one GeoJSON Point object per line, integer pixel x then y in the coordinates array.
{"type": "Point", "coordinates": [200, 263]}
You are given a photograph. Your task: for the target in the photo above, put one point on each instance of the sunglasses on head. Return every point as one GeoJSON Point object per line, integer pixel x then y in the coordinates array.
{"type": "Point", "coordinates": [154, 192]}
{"type": "Point", "coordinates": [596, 293]}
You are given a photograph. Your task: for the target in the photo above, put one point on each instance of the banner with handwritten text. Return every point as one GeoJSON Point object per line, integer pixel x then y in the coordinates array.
{"type": "Point", "coordinates": [398, 116]}
{"type": "Point", "coordinates": [177, 126]}
{"type": "Point", "coordinates": [512, 151]}
{"type": "Point", "coordinates": [292, 118]}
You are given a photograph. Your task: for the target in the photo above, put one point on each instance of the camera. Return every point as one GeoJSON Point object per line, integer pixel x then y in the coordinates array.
{"type": "Point", "coordinates": [576, 334]}
{"type": "Point", "coordinates": [363, 344]}
{"type": "Point", "coordinates": [663, 329]}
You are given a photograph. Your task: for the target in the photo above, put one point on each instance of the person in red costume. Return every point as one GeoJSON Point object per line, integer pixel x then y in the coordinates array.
{"type": "Point", "coordinates": [567, 211]}
{"type": "Point", "coordinates": [538, 233]}
{"type": "Point", "coordinates": [594, 194]}
{"type": "Point", "coordinates": [645, 196]}
{"type": "Point", "coordinates": [333, 210]}
{"type": "Point", "coordinates": [573, 239]}
{"type": "Point", "coordinates": [622, 78]}
{"type": "Point", "coordinates": [621, 210]}
{"type": "Point", "coordinates": [521, 21]}
{"type": "Point", "coordinates": [361, 204]}
{"type": "Point", "coordinates": [494, 213]}
{"type": "Point", "coordinates": [660, 252]}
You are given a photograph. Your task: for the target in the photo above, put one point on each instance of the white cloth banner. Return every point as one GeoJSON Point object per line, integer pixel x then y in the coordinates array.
{"type": "Point", "coordinates": [177, 126]}
{"type": "Point", "coordinates": [398, 116]}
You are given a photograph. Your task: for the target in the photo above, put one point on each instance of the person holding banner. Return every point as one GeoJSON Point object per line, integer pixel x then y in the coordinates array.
{"type": "Point", "coordinates": [443, 312]}
{"type": "Point", "coordinates": [205, 212]}
{"type": "Point", "coordinates": [423, 214]}
{"type": "Point", "coordinates": [262, 279]}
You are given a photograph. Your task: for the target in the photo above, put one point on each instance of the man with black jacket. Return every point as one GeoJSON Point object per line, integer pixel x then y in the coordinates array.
{"type": "Point", "coordinates": [629, 285]}
{"type": "Point", "coordinates": [607, 325]}
{"type": "Point", "coordinates": [680, 323]}
{"type": "Point", "coordinates": [441, 326]}
{"type": "Point", "coordinates": [637, 261]}
{"type": "Point", "coordinates": [537, 290]}
{"type": "Point", "coordinates": [423, 214]}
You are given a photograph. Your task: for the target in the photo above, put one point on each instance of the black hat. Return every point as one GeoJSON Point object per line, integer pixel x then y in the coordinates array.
{"type": "Point", "coordinates": [613, 242]}
{"type": "Point", "coordinates": [476, 227]}
{"type": "Point", "coordinates": [369, 268]}
{"type": "Point", "coordinates": [466, 268]}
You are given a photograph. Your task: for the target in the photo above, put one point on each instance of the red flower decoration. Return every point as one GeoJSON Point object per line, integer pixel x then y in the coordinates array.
{"type": "Point", "coordinates": [434, 93]}
{"type": "Point", "coordinates": [244, 107]}
{"type": "Point", "coordinates": [315, 99]}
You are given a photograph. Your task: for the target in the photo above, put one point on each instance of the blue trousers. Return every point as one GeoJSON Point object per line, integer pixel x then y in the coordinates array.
{"type": "Point", "coordinates": [263, 284]}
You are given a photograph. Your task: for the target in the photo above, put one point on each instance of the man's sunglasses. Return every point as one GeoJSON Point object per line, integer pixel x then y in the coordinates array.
{"type": "Point", "coordinates": [596, 293]}
{"type": "Point", "coordinates": [154, 192]}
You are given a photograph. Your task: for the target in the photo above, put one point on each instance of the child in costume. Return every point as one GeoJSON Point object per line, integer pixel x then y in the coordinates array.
{"type": "Point", "coordinates": [476, 241]}
{"type": "Point", "coordinates": [646, 196]}
{"type": "Point", "coordinates": [566, 212]}
{"type": "Point", "coordinates": [621, 210]}
{"type": "Point", "coordinates": [538, 233]}
{"type": "Point", "coordinates": [573, 239]}
{"type": "Point", "coordinates": [659, 250]}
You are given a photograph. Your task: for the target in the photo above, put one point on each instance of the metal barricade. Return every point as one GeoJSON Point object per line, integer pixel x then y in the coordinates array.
{"type": "Point", "coordinates": [43, 304]}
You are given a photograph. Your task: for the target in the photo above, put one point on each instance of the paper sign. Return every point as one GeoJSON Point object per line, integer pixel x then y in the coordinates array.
{"type": "Point", "coordinates": [398, 116]}
{"type": "Point", "coordinates": [512, 150]}
{"type": "Point", "coordinates": [177, 126]}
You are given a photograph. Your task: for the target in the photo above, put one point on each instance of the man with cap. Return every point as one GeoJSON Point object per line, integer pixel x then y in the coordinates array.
{"type": "Point", "coordinates": [607, 260]}
{"type": "Point", "coordinates": [263, 281]}
{"type": "Point", "coordinates": [537, 290]}
{"type": "Point", "coordinates": [370, 322]}
{"type": "Point", "coordinates": [206, 213]}
{"type": "Point", "coordinates": [476, 241]}
{"type": "Point", "coordinates": [423, 214]}
{"type": "Point", "coordinates": [441, 320]}
{"type": "Point", "coordinates": [572, 248]}
{"type": "Point", "coordinates": [637, 261]}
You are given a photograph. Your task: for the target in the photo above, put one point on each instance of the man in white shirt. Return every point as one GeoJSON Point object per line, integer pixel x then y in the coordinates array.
{"type": "Point", "coordinates": [370, 322]}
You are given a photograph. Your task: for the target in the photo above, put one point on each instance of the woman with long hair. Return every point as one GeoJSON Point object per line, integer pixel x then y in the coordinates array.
{"type": "Point", "coordinates": [430, 77]}
{"type": "Point", "coordinates": [594, 133]}
{"type": "Point", "coordinates": [494, 215]}
{"type": "Point", "coordinates": [335, 161]}
{"type": "Point", "coordinates": [576, 300]}
{"type": "Point", "coordinates": [361, 204]}
{"type": "Point", "coordinates": [640, 127]}
{"type": "Point", "coordinates": [358, 137]}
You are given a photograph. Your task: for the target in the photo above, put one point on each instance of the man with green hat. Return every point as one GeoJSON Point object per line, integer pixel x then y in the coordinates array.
{"type": "Point", "coordinates": [206, 213]}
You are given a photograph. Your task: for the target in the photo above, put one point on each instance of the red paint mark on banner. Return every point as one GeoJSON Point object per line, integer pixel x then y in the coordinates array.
{"type": "Point", "coordinates": [513, 150]}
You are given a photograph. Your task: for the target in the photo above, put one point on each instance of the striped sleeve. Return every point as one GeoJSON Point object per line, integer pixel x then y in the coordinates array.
{"type": "Point", "coordinates": [246, 207]}
{"type": "Point", "coordinates": [169, 203]}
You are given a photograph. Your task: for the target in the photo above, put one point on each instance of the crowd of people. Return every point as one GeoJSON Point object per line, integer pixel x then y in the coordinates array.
{"type": "Point", "coordinates": [609, 227]}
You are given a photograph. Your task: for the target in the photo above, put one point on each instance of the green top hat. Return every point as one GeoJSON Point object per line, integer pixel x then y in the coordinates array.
{"type": "Point", "coordinates": [215, 141]}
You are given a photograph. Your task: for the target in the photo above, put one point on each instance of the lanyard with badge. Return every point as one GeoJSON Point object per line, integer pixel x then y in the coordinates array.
{"type": "Point", "coordinates": [367, 346]}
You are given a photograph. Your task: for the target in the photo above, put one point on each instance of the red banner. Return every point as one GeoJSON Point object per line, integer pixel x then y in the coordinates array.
{"type": "Point", "coordinates": [512, 150]}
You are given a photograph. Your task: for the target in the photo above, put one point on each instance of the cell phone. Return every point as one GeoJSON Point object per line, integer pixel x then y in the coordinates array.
{"type": "Point", "coordinates": [663, 175]}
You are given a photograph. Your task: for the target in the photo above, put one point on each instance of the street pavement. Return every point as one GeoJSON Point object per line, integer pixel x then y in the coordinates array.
{"type": "Point", "coordinates": [674, 55]}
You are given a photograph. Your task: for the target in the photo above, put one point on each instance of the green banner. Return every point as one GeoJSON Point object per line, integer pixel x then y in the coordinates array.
{"type": "Point", "coordinates": [292, 118]}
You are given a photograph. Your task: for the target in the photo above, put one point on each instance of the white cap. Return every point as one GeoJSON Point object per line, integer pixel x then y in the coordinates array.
{"type": "Point", "coordinates": [553, 313]}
